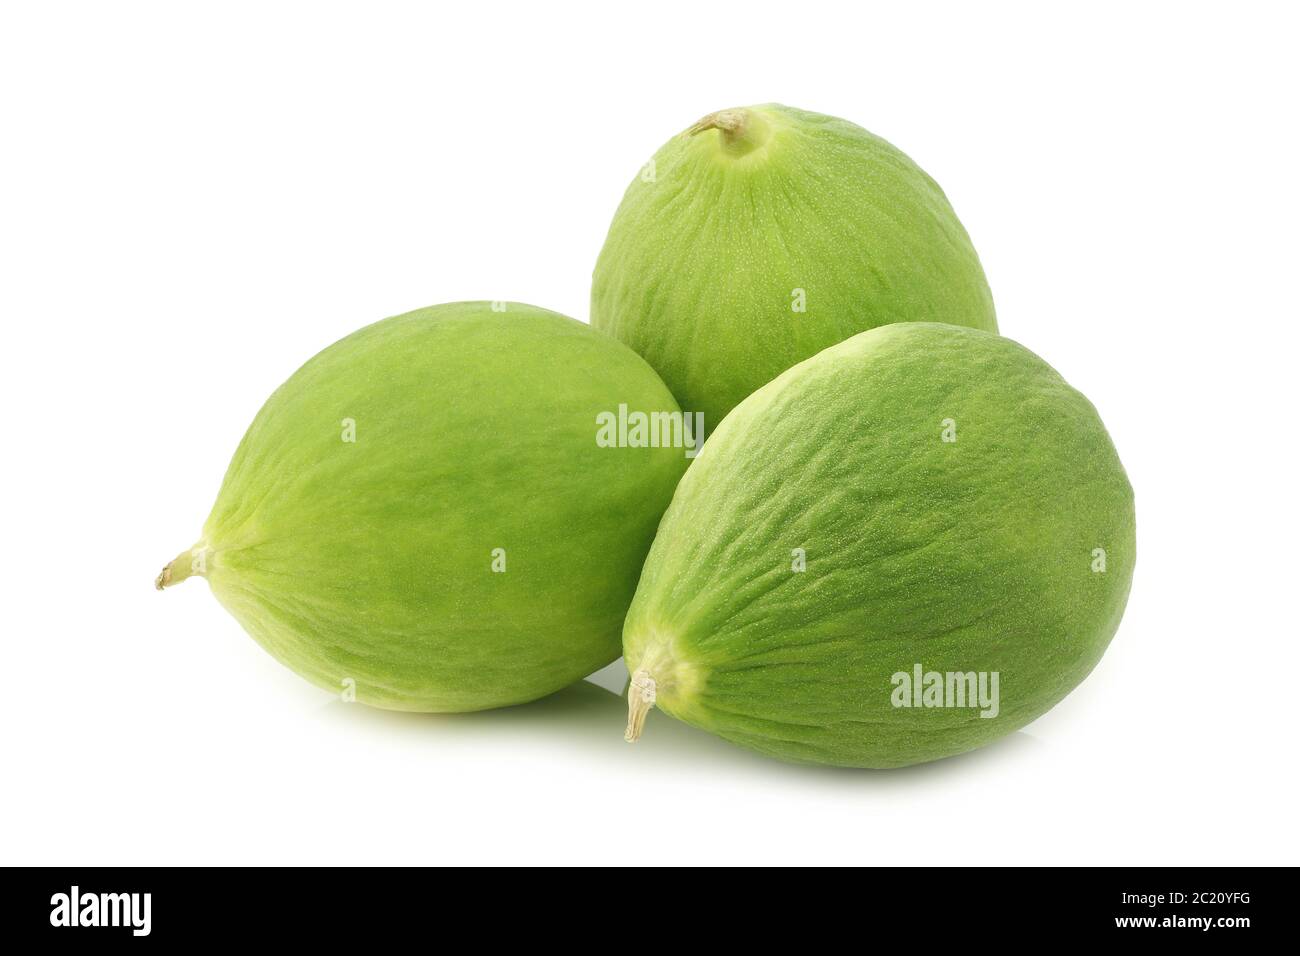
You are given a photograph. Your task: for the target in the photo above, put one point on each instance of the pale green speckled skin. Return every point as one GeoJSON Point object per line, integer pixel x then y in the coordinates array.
{"type": "Point", "coordinates": [475, 430]}
{"type": "Point", "coordinates": [699, 265]}
{"type": "Point", "coordinates": [975, 555]}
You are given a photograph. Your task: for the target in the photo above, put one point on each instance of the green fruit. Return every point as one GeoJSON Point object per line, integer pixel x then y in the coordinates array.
{"type": "Point", "coordinates": [761, 236]}
{"type": "Point", "coordinates": [422, 515]}
{"type": "Point", "coordinates": [955, 506]}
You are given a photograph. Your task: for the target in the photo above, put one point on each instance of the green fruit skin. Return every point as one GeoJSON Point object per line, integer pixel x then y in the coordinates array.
{"type": "Point", "coordinates": [702, 259]}
{"type": "Point", "coordinates": [371, 561]}
{"type": "Point", "coordinates": [966, 556]}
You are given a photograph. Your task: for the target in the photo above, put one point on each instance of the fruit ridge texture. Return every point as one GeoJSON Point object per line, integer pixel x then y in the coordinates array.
{"type": "Point", "coordinates": [763, 235]}
{"type": "Point", "coordinates": [978, 554]}
{"type": "Point", "coordinates": [375, 560]}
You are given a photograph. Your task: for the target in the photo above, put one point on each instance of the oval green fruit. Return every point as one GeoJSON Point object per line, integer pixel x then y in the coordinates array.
{"type": "Point", "coordinates": [919, 500]}
{"type": "Point", "coordinates": [762, 235]}
{"type": "Point", "coordinates": [424, 512]}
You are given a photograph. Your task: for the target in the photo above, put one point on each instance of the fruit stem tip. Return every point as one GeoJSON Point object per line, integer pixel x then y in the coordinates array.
{"type": "Point", "coordinates": [177, 570]}
{"type": "Point", "coordinates": [742, 130]}
{"type": "Point", "coordinates": [729, 122]}
{"type": "Point", "coordinates": [640, 701]}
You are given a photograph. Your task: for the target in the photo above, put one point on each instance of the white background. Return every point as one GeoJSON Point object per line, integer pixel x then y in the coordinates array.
{"type": "Point", "coordinates": [194, 200]}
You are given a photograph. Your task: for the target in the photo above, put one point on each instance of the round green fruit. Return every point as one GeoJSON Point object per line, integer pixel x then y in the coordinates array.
{"type": "Point", "coordinates": [424, 514]}
{"type": "Point", "coordinates": [903, 548]}
{"type": "Point", "coordinates": [760, 236]}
